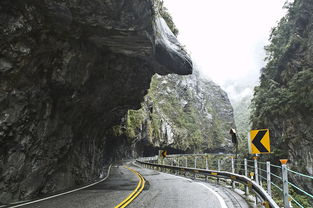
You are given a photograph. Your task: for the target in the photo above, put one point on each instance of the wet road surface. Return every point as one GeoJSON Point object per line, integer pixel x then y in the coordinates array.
{"type": "Point", "coordinates": [161, 190]}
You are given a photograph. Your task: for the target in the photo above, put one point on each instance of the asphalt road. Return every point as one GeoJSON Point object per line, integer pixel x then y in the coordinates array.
{"type": "Point", "coordinates": [171, 191]}
{"type": "Point", "coordinates": [161, 190]}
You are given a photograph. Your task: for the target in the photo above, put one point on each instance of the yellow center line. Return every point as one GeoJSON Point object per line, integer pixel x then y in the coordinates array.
{"type": "Point", "coordinates": [135, 193]}
{"type": "Point", "coordinates": [143, 185]}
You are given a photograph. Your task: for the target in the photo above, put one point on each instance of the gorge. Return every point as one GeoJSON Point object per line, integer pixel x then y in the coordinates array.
{"type": "Point", "coordinates": [88, 83]}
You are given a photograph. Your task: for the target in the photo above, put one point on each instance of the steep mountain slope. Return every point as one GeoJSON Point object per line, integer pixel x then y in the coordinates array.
{"type": "Point", "coordinates": [181, 114]}
{"type": "Point", "coordinates": [69, 71]}
{"type": "Point", "coordinates": [242, 113]}
{"type": "Point", "coordinates": [284, 100]}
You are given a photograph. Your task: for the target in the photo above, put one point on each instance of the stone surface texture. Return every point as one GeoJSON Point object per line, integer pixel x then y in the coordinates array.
{"type": "Point", "coordinates": [69, 70]}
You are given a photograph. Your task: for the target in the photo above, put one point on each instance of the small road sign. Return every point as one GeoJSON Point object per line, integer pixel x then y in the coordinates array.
{"type": "Point", "coordinates": [162, 153]}
{"type": "Point", "coordinates": [259, 141]}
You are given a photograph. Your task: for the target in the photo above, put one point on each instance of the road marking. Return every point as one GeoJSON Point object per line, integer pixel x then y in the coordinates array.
{"type": "Point", "coordinates": [68, 192]}
{"type": "Point", "coordinates": [186, 179]}
{"type": "Point", "coordinates": [135, 193]}
{"type": "Point", "coordinates": [219, 198]}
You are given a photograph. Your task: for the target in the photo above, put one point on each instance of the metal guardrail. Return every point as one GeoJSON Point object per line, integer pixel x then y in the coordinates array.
{"type": "Point", "coordinates": [278, 177]}
{"type": "Point", "coordinates": [266, 175]}
{"type": "Point", "coordinates": [259, 191]}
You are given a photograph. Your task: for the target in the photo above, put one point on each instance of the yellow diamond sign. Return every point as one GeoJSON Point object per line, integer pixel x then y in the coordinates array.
{"type": "Point", "coordinates": [162, 153]}
{"type": "Point", "coordinates": [259, 141]}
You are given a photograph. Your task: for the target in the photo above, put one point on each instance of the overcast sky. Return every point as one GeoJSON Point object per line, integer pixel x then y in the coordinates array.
{"type": "Point", "coordinates": [226, 37]}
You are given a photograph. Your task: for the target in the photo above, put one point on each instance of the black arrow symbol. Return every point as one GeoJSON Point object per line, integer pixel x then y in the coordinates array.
{"type": "Point", "coordinates": [257, 141]}
{"type": "Point", "coordinates": [164, 153]}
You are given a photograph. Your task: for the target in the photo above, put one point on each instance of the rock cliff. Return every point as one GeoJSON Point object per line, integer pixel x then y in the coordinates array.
{"type": "Point", "coordinates": [180, 114]}
{"type": "Point", "coordinates": [70, 70]}
{"type": "Point", "coordinates": [284, 100]}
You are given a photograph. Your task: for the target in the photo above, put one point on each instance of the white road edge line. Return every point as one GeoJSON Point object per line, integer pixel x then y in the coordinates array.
{"type": "Point", "coordinates": [187, 179]}
{"type": "Point", "coordinates": [68, 192]}
{"type": "Point", "coordinates": [220, 199]}
{"type": "Point", "coordinates": [134, 163]}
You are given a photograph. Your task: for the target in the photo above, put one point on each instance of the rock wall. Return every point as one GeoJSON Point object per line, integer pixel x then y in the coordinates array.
{"type": "Point", "coordinates": [181, 114]}
{"type": "Point", "coordinates": [70, 70]}
{"type": "Point", "coordinates": [284, 100]}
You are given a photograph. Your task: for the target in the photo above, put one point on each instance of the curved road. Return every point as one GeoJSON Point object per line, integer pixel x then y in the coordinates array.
{"type": "Point", "coordinates": [161, 190]}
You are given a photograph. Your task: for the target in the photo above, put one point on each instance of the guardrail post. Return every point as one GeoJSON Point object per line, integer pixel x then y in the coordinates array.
{"type": "Point", "coordinates": [186, 162]}
{"type": "Point", "coordinates": [233, 171]}
{"type": "Point", "coordinates": [268, 178]}
{"type": "Point", "coordinates": [260, 175]}
{"type": "Point", "coordinates": [232, 165]}
{"type": "Point", "coordinates": [177, 164]}
{"type": "Point", "coordinates": [206, 163]}
{"type": "Point", "coordinates": [256, 174]}
{"type": "Point", "coordinates": [219, 169]}
{"type": "Point", "coordinates": [265, 198]}
{"type": "Point", "coordinates": [195, 167]}
{"type": "Point", "coordinates": [246, 174]}
{"type": "Point", "coordinates": [285, 183]}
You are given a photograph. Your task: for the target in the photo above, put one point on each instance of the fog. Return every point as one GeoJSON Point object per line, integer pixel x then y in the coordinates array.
{"type": "Point", "coordinates": [226, 38]}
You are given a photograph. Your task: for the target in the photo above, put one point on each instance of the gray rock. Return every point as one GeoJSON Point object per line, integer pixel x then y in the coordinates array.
{"type": "Point", "coordinates": [16, 160]}
{"type": "Point", "coordinates": [180, 113]}
{"type": "Point", "coordinates": [69, 71]}
{"type": "Point", "coordinates": [6, 197]}
{"type": "Point", "coordinates": [5, 65]}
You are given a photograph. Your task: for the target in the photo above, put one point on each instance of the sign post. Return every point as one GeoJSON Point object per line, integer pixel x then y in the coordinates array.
{"type": "Point", "coordinates": [259, 143]}
{"type": "Point", "coordinates": [246, 174]}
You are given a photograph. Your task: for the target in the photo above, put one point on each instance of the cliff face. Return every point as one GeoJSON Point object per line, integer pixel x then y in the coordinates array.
{"type": "Point", "coordinates": [70, 70]}
{"type": "Point", "coordinates": [181, 114]}
{"type": "Point", "coordinates": [284, 100]}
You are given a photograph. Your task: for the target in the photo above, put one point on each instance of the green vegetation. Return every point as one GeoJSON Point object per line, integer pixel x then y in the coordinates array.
{"type": "Point", "coordinates": [173, 115]}
{"type": "Point", "coordinates": [302, 199]}
{"type": "Point", "coordinates": [286, 89]}
{"type": "Point", "coordinates": [134, 122]}
{"type": "Point", "coordinates": [284, 100]}
{"type": "Point", "coordinates": [184, 119]}
{"type": "Point", "coordinates": [242, 113]}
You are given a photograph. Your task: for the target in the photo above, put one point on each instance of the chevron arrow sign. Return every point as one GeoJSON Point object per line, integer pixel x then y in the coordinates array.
{"type": "Point", "coordinates": [259, 141]}
{"type": "Point", "coordinates": [162, 153]}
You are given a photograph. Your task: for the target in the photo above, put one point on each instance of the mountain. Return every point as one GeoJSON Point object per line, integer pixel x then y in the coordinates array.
{"type": "Point", "coordinates": [180, 114]}
{"type": "Point", "coordinates": [284, 100]}
{"type": "Point", "coordinates": [69, 71]}
{"type": "Point", "coordinates": [242, 113]}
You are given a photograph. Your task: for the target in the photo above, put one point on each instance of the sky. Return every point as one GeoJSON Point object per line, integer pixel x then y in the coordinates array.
{"type": "Point", "coordinates": [226, 38]}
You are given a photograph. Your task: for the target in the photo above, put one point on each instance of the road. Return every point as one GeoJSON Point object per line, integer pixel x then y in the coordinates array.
{"type": "Point", "coordinates": [161, 190]}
